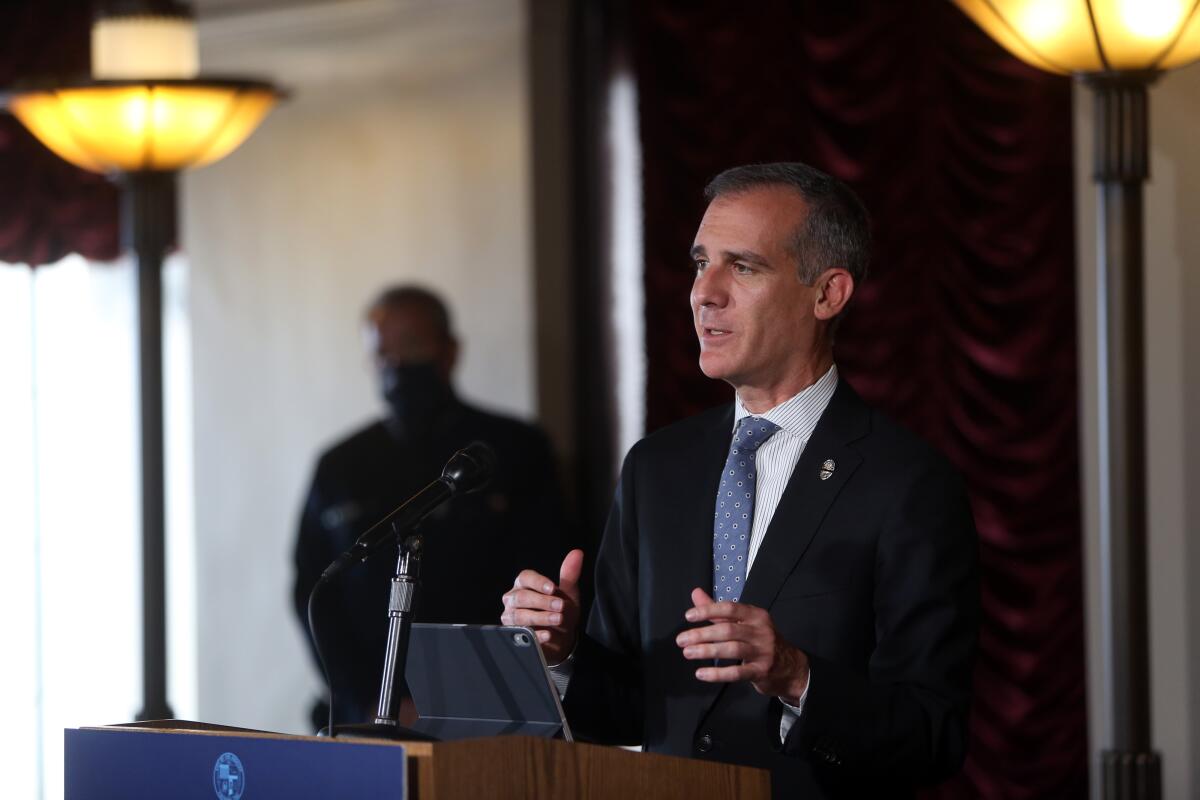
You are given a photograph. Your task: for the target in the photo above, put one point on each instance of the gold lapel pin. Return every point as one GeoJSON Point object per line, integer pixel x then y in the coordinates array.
{"type": "Point", "coordinates": [827, 469]}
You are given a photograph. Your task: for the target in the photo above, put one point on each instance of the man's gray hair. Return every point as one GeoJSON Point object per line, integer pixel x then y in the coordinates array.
{"type": "Point", "coordinates": [837, 229]}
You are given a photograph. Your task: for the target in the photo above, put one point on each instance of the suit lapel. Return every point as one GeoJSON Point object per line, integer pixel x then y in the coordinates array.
{"type": "Point", "coordinates": [806, 499]}
{"type": "Point", "coordinates": [687, 562]}
{"type": "Point", "coordinates": [694, 500]}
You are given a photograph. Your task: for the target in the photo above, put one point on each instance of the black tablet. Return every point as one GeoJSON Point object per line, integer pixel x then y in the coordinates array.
{"type": "Point", "coordinates": [469, 681]}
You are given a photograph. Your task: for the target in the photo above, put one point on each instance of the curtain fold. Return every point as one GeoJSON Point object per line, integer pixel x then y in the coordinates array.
{"type": "Point", "coordinates": [965, 330]}
{"type": "Point", "coordinates": [48, 208]}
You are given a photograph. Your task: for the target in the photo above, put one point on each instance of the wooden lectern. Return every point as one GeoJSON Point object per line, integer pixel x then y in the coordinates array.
{"type": "Point", "coordinates": [175, 759]}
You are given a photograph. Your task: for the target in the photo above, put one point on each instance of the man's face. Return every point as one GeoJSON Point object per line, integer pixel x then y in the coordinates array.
{"type": "Point", "coordinates": [753, 316]}
{"type": "Point", "coordinates": [407, 334]}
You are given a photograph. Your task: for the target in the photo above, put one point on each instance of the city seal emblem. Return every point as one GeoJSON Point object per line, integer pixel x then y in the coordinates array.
{"type": "Point", "coordinates": [229, 777]}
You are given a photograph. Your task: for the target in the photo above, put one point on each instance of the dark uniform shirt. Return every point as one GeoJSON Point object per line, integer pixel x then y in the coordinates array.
{"type": "Point", "coordinates": [473, 545]}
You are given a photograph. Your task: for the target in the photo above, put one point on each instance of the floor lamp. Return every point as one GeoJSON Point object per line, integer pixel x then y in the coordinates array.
{"type": "Point", "coordinates": [1117, 48]}
{"type": "Point", "coordinates": [143, 116]}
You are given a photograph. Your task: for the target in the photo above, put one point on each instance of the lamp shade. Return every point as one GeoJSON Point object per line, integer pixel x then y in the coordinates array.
{"type": "Point", "coordinates": [131, 126]}
{"type": "Point", "coordinates": [1068, 36]}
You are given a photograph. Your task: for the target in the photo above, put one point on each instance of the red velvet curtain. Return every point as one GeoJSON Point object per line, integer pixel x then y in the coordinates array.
{"type": "Point", "coordinates": [965, 331]}
{"type": "Point", "coordinates": [48, 208]}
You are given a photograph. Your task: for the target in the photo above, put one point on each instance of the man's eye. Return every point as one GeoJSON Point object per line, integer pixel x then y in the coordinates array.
{"type": "Point", "coordinates": [742, 269]}
{"type": "Point", "coordinates": [699, 264]}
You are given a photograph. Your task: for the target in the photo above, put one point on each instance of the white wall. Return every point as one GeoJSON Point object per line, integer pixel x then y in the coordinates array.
{"type": "Point", "coordinates": [1172, 292]}
{"type": "Point", "coordinates": [367, 176]}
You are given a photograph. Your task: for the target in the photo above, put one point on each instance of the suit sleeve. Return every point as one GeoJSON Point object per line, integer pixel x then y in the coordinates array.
{"type": "Point", "coordinates": [907, 716]}
{"type": "Point", "coordinates": [604, 700]}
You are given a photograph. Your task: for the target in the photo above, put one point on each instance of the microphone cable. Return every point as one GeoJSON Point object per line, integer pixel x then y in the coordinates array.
{"type": "Point", "coordinates": [316, 638]}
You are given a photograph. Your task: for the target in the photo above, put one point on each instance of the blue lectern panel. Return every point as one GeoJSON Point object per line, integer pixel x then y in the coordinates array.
{"type": "Point", "coordinates": [155, 764]}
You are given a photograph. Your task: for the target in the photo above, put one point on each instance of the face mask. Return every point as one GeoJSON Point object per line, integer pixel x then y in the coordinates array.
{"type": "Point", "coordinates": [416, 394]}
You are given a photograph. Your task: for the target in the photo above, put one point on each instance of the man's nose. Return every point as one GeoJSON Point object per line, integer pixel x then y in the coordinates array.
{"type": "Point", "coordinates": [709, 287]}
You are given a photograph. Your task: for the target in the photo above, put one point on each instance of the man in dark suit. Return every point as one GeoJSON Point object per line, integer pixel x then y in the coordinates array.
{"type": "Point", "coordinates": [839, 548]}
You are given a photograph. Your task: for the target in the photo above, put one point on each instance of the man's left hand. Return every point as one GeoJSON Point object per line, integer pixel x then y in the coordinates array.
{"type": "Point", "coordinates": [743, 632]}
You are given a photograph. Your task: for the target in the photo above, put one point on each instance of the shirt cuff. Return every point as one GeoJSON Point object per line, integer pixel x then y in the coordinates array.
{"type": "Point", "coordinates": [791, 713]}
{"type": "Point", "coordinates": [561, 675]}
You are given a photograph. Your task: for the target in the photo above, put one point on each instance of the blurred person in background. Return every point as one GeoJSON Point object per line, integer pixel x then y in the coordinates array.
{"type": "Point", "coordinates": [473, 545]}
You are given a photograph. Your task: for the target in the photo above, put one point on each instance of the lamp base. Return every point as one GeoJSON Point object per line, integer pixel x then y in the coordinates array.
{"type": "Point", "coordinates": [1131, 775]}
{"type": "Point", "coordinates": [154, 709]}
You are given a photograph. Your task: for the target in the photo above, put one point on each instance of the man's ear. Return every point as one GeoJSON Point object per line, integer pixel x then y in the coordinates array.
{"type": "Point", "coordinates": [834, 288]}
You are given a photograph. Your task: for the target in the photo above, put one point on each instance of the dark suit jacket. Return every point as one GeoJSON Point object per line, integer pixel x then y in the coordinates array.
{"type": "Point", "coordinates": [871, 572]}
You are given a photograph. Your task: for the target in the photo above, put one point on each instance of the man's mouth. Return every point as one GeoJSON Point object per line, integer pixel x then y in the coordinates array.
{"type": "Point", "coordinates": [715, 332]}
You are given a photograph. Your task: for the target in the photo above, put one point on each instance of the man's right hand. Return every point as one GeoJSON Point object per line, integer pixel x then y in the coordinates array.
{"type": "Point", "coordinates": [552, 611]}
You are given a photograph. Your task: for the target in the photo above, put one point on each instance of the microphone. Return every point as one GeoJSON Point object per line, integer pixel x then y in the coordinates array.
{"type": "Point", "coordinates": [467, 471]}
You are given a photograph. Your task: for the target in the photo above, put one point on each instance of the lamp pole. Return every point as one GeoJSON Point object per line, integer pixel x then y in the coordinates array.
{"type": "Point", "coordinates": [147, 224]}
{"type": "Point", "coordinates": [1117, 50]}
{"type": "Point", "coordinates": [1130, 769]}
{"type": "Point", "coordinates": [142, 116]}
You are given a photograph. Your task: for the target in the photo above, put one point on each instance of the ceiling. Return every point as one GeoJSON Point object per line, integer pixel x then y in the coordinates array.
{"type": "Point", "coordinates": [327, 44]}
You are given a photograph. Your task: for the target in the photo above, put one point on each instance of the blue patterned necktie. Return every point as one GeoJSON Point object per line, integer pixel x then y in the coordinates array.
{"type": "Point", "coordinates": [734, 517]}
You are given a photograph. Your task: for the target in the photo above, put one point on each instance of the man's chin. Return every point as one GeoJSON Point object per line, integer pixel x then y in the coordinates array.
{"type": "Point", "coordinates": [713, 367]}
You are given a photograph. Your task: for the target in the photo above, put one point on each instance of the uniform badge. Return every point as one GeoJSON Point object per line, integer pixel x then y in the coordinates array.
{"type": "Point", "coordinates": [827, 469]}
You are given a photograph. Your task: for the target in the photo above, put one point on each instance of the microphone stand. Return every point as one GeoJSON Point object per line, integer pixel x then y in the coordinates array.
{"type": "Point", "coordinates": [401, 607]}
{"type": "Point", "coordinates": [466, 471]}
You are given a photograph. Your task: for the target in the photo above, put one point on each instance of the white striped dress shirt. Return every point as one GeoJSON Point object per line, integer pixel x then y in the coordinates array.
{"type": "Point", "coordinates": [777, 458]}
{"type": "Point", "coordinates": [776, 461]}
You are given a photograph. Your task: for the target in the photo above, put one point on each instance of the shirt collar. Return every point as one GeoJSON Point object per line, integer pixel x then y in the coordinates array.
{"type": "Point", "coordinates": [798, 415]}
